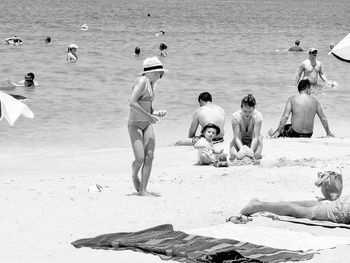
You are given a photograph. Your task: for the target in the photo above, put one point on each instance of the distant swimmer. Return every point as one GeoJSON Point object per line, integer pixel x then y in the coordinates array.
{"type": "Point", "coordinates": [163, 49]}
{"type": "Point", "coordinates": [160, 33]}
{"type": "Point", "coordinates": [48, 40]}
{"type": "Point", "coordinates": [331, 45]}
{"type": "Point", "coordinates": [84, 26]}
{"type": "Point", "coordinates": [15, 41]}
{"type": "Point", "coordinates": [311, 69]}
{"type": "Point", "coordinates": [296, 47]}
{"type": "Point", "coordinates": [28, 81]}
{"type": "Point", "coordinates": [137, 51]}
{"type": "Point", "coordinates": [72, 53]}
{"type": "Point", "coordinates": [303, 109]}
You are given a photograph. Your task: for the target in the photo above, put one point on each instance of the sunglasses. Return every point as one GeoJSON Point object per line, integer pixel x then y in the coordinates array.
{"type": "Point", "coordinates": [314, 53]}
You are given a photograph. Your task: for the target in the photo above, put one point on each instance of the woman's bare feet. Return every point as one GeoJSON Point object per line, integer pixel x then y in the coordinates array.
{"type": "Point", "coordinates": [145, 193]}
{"type": "Point", "coordinates": [251, 207]}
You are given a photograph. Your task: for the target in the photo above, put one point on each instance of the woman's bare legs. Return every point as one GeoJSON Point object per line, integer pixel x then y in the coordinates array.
{"type": "Point", "coordinates": [280, 208]}
{"type": "Point", "coordinates": [136, 139]}
{"type": "Point", "coordinates": [149, 146]}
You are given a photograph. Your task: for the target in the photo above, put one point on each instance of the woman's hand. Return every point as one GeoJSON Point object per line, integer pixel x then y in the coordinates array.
{"type": "Point", "coordinates": [160, 113]}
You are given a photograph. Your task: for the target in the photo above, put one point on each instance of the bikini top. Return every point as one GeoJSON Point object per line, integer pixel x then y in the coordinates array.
{"type": "Point", "coordinates": [148, 93]}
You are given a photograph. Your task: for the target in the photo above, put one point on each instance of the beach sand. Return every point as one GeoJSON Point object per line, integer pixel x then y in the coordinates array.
{"type": "Point", "coordinates": [46, 203]}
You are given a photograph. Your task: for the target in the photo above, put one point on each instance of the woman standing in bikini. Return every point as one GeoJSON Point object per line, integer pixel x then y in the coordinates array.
{"type": "Point", "coordinates": [246, 126]}
{"type": "Point", "coordinates": [141, 118]}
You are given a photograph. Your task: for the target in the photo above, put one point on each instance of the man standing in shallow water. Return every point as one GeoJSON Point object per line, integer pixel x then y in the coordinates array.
{"type": "Point", "coordinates": [303, 108]}
{"type": "Point", "coordinates": [208, 112]}
{"type": "Point", "coordinates": [311, 69]}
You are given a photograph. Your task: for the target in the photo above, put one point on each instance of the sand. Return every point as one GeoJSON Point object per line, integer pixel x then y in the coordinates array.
{"type": "Point", "coordinates": [46, 203]}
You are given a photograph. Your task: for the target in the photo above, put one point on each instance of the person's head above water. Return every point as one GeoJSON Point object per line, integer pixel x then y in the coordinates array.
{"type": "Point", "coordinates": [313, 51]}
{"type": "Point", "coordinates": [29, 75]}
{"type": "Point", "coordinates": [204, 97]}
{"type": "Point", "coordinates": [297, 42]}
{"type": "Point", "coordinates": [137, 50]}
{"type": "Point", "coordinates": [48, 40]}
{"type": "Point", "coordinates": [72, 47]}
{"type": "Point", "coordinates": [162, 46]}
{"type": "Point", "coordinates": [304, 85]}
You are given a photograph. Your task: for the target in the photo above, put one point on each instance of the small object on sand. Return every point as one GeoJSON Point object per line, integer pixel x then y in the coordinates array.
{"type": "Point", "coordinates": [241, 219]}
{"type": "Point", "coordinates": [95, 188]}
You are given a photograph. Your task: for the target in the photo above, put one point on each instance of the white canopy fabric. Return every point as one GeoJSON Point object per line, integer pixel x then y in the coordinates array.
{"type": "Point", "coordinates": [342, 50]}
{"type": "Point", "coordinates": [11, 109]}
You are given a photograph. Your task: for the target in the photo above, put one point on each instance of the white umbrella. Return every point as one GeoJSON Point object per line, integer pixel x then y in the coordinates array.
{"type": "Point", "coordinates": [11, 109]}
{"type": "Point", "coordinates": [342, 50]}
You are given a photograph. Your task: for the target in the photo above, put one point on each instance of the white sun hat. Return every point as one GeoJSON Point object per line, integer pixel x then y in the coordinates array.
{"type": "Point", "coordinates": [152, 64]}
{"type": "Point", "coordinates": [73, 46]}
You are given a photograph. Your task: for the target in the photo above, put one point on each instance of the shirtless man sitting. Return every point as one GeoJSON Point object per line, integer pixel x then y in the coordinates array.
{"type": "Point", "coordinates": [303, 108]}
{"type": "Point", "coordinates": [311, 69]}
{"type": "Point", "coordinates": [208, 112]}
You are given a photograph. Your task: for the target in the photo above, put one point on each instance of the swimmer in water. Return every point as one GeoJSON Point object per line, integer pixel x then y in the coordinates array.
{"type": "Point", "coordinates": [137, 51]}
{"type": "Point", "coordinates": [160, 33]}
{"type": "Point", "coordinates": [28, 81]}
{"type": "Point", "coordinates": [163, 49]}
{"type": "Point", "coordinates": [72, 53]}
{"type": "Point", "coordinates": [296, 47]}
{"type": "Point", "coordinates": [48, 40]}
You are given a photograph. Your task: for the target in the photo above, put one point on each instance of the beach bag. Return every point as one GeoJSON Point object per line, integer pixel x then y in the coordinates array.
{"type": "Point", "coordinates": [331, 184]}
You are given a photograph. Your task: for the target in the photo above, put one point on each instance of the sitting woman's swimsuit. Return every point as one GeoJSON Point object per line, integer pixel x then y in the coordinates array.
{"type": "Point", "coordinates": [246, 130]}
{"type": "Point", "coordinates": [138, 119]}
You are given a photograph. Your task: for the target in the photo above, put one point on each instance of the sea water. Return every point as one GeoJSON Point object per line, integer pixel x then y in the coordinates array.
{"type": "Point", "coordinates": [227, 47]}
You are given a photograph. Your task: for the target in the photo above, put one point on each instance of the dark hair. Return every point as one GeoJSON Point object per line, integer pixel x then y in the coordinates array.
{"type": "Point", "coordinates": [31, 75]}
{"type": "Point", "coordinates": [48, 40]}
{"type": "Point", "coordinates": [304, 84]}
{"type": "Point", "coordinates": [137, 50]}
{"type": "Point", "coordinates": [205, 96]}
{"type": "Point", "coordinates": [162, 46]}
{"type": "Point", "coordinates": [249, 101]}
{"type": "Point", "coordinates": [297, 42]}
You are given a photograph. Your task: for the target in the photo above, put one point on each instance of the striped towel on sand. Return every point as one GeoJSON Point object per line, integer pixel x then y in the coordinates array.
{"type": "Point", "coordinates": [163, 241]}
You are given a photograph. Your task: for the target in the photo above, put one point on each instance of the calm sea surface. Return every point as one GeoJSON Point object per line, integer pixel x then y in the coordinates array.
{"type": "Point", "coordinates": [229, 48]}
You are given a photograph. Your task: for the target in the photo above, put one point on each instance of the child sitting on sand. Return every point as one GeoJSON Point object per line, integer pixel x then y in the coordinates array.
{"type": "Point", "coordinates": [206, 152]}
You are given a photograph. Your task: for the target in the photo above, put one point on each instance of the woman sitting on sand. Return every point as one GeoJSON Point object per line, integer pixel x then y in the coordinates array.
{"type": "Point", "coordinates": [141, 118]}
{"type": "Point", "coordinates": [246, 126]}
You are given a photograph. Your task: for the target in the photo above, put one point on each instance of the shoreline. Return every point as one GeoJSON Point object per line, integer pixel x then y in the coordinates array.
{"type": "Point", "coordinates": [47, 204]}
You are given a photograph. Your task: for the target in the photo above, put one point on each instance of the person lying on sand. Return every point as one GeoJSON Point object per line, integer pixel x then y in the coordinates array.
{"type": "Point", "coordinates": [206, 152]}
{"type": "Point", "coordinates": [337, 211]}
{"type": "Point", "coordinates": [303, 108]}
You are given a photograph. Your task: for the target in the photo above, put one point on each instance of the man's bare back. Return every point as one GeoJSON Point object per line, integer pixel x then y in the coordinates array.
{"type": "Point", "coordinates": [304, 109]}
{"type": "Point", "coordinates": [209, 113]}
